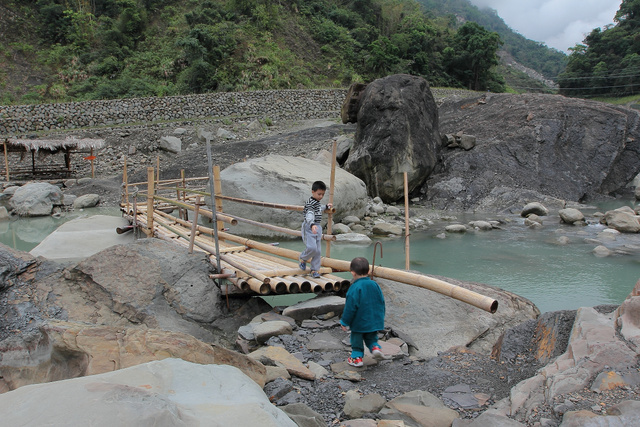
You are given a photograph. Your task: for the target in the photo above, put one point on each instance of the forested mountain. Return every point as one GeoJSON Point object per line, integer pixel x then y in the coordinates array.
{"type": "Point", "coordinates": [535, 55]}
{"type": "Point", "coordinates": [608, 64]}
{"type": "Point", "coordinates": [62, 50]}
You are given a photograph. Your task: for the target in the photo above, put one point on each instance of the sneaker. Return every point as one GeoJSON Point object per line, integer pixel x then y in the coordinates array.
{"type": "Point", "coordinates": [357, 362]}
{"type": "Point", "coordinates": [315, 274]}
{"type": "Point", "coordinates": [302, 265]}
{"type": "Point", "coordinates": [377, 353]}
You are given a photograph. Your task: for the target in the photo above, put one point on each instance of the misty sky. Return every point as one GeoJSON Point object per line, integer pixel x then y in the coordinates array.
{"type": "Point", "coordinates": [558, 23]}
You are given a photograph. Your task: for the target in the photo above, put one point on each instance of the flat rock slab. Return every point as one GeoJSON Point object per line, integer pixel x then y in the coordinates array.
{"type": "Point", "coordinates": [167, 392]}
{"type": "Point", "coordinates": [315, 307]}
{"type": "Point", "coordinates": [83, 237]}
{"type": "Point", "coordinates": [324, 341]}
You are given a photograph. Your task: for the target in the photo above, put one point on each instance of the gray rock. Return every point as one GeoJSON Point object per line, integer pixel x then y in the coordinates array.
{"type": "Point", "coordinates": [350, 219]}
{"type": "Point", "coordinates": [36, 199]}
{"type": "Point", "coordinates": [570, 215]}
{"type": "Point", "coordinates": [179, 131]}
{"type": "Point", "coordinates": [344, 146]}
{"type": "Point", "coordinates": [264, 331]}
{"type": "Point", "coordinates": [4, 214]}
{"type": "Point", "coordinates": [481, 225]}
{"type": "Point", "coordinates": [385, 229]}
{"type": "Point", "coordinates": [175, 392]}
{"type": "Point", "coordinates": [324, 341]}
{"type": "Point", "coordinates": [286, 180]}
{"type": "Point", "coordinates": [413, 405]}
{"type": "Point", "coordinates": [467, 142]}
{"type": "Point", "coordinates": [225, 134]}
{"type": "Point", "coordinates": [622, 221]}
{"type": "Point", "coordinates": [422, 316]}
{"type": "Point", "coordinates": [277, 389]}
{"type": "Point", "coordinates": [11, 190]}
{"type": "Point", "coordinates": [534, 208]}
{"type": "Point", "coordinates": [317, 369]}
{"type": "Point", "coordinates": [353, 238]}
{"type": "Point", "coordinates": [456, 228]}
{"type": "Point", "coordinates": [314, 307]}
{"type": "Point", "coordinates": [392, 210]}
{"type": "Point", "coordinates": [602, 251]}
{"type": "Point", "coordinates": [68, 199]}
{"type": "Point", "coordinates": [488, 419]}
{"type": "Point", "coordinates": [86, 201]}
{"type": "Point", "coordinates": [304, 416]}
{"type": "Point", "coordinates": [540, 139]}
{"type": "Point", "coordinates": [356, 407]}
{"type": "Point", "coordinates": [171, 144]}
{"type": "Point", "coordinates": [397, 132]}
{"type": "Point", "coordinates": [340, 229]}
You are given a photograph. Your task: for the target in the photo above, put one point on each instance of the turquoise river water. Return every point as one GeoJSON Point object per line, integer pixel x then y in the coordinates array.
{"type": "Point", "coordinates": [530, 263]}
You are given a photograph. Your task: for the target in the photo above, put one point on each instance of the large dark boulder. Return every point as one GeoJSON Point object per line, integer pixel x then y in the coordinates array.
{"type": "Point", "coordinates": [531, 144]}
{"type": "Point", "coordinates": [397, 131]}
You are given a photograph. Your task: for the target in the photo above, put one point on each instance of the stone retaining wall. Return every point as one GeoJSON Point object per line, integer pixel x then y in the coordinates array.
{"type": "Point", "coordinates": [290, 104]}
{"type": "Point", "coordinates": [17, 120]}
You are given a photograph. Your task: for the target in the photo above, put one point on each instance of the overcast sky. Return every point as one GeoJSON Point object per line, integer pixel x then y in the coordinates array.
{"type": "Point", "coordinates": [557, 23]}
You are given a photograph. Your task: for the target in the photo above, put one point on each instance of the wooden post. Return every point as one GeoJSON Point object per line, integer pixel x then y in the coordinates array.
{"type": "Point", "coordinates": [406, 222]}
{"type": "Point", "coordinates": [6, 160]}
{"type": "Point", "coordinates": [93, 172]}
{"type": "Point", "coordinates": [332, 182]}
{"type": "Point", "coordinates": [150, 192]}
{"type": "Point", "coordinates": [217, 184]}
{"type": "Point", "coordinates": [194, 226]}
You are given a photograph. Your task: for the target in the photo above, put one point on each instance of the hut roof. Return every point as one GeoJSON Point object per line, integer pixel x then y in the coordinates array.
{"type": "Point", "coordinates": [57, 144]}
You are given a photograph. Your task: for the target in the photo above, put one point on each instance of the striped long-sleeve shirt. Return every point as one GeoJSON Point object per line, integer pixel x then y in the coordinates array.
{"type": "Point", "coordinates": [313, 212]}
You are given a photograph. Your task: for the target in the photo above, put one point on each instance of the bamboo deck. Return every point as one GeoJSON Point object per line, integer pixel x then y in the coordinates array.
{"type": "Point", "coordinates": [250, 270]}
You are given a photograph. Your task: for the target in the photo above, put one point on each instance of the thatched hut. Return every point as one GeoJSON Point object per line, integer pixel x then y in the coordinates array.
{"type": "Point", "coordinates": [47, 167]}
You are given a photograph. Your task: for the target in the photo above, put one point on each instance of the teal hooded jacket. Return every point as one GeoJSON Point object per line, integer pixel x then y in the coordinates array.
{"type": "Point", "coordinates": [364, 309]}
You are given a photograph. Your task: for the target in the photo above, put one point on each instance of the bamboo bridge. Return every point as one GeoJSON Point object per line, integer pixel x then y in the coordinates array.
{"type": "Point", "coordinates": [170, 209]}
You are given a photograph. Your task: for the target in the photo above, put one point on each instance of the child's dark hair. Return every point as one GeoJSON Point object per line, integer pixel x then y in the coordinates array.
{"type": "Point", "coordinates": [360, 266]}
{"type": "Point", "coordinates": [318, 185]}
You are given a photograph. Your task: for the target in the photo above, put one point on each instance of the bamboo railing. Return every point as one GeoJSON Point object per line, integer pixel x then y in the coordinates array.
{"type": "Point", "coordinates": [249, 265]}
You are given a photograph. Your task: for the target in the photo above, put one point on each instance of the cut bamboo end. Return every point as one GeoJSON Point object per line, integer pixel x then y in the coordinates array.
{"type": "Point", "coordinates": [305, 287]}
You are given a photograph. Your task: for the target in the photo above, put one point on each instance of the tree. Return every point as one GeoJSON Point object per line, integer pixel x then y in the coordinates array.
{"type": "Point", "coordinates": [472, 55]}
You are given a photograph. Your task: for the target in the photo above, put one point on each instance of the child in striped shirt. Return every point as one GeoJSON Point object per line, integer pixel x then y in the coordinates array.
{"type": "Point", "coordinates": [312, 230]}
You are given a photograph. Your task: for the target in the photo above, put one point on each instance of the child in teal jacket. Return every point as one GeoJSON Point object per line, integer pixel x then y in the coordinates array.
{"type": "Point", "coordinates": [363, 313]}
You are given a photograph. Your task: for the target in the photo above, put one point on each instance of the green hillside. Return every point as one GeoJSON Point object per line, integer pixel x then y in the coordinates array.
{"type": "Point", "coordinates": [63, 50]}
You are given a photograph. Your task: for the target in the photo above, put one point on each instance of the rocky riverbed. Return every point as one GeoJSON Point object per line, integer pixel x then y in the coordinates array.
{"type": "Point", "coordinates": [469, 382]}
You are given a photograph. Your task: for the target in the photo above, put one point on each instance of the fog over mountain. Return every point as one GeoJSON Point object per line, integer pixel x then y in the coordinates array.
{"type": "Point", "coordinates": [560, 24]}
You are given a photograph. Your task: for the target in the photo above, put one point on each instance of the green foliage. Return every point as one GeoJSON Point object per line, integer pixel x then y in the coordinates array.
{"type": "Point", "coordinates": [608, 63]}
{"type": "Point", "coordinates": [471, 57]}
{"type": "Point", "coordinates": [131, 48]}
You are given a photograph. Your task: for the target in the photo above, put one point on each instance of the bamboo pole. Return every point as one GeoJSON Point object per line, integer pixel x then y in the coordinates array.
{"type": "Point", "coordinates": [332, 182]}
{"type": "Point", "coordinates": [194, 227]}
{"type": "Point", "coordinates": [6, 160]}
{"type": "Point", "coordinates": [150, 177]}
{"type": "Point", "coordinates": [203, 212]}
{"type": "Point", "coordinates": [185, 212]}
{"type": "Point", "coordinates": [406, 222]}
{"type": "Point", "coordinates": [284, 230]}
{"type": "Point", "coordinates": [173, 181]}
{"type": "Point", "coordinates": [431, 283]}
{"type": "Point", "coordinates": [217, 188]}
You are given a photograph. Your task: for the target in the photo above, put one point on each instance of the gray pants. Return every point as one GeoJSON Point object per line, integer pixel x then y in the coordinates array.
{"type": "Point", "coordinates": [313, 250]}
